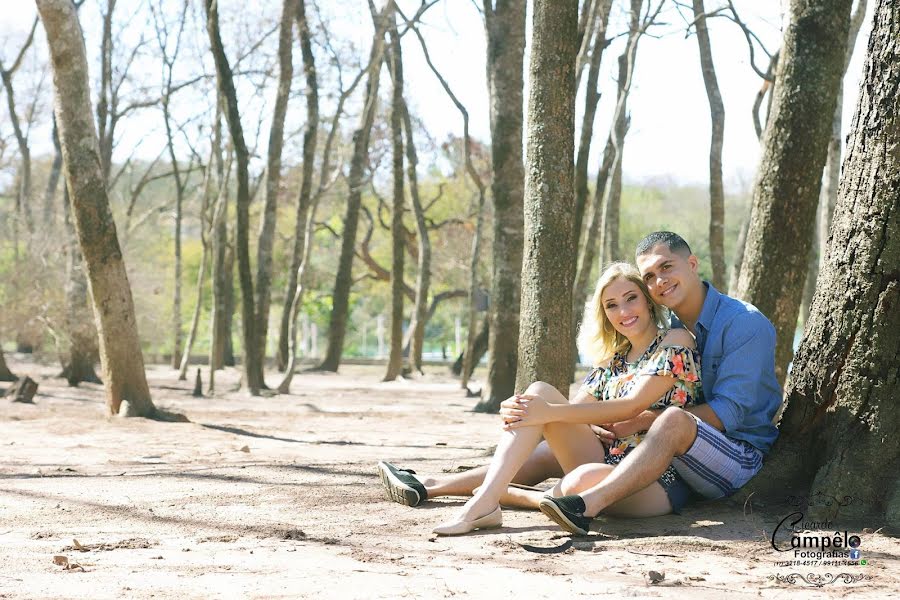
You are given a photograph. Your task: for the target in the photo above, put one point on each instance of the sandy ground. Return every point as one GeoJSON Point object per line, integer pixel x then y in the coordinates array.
{"type": "Point", "coordinates": [277, 497]}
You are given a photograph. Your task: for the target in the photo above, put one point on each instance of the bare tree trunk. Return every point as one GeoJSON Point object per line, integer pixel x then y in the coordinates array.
{"type": "Point", "coordinates": [471, 356]}
{"type": "Point", "coordinates": [610, 240]}
{"type": "Point", "coordinates": [545, 336]}
{"type": "Point", "coordinates": [253, 368]}
{"type": "Point", "coordinates": [795, 142]}
{"type": "Point", "coordinates": [219, 235]}
{"type": "Point", "coordinates": [505, 28]}
{"type": "Point", "coordinates": [227, 323]}
{"type": "Point", "coordinates": [423, 276]}
{"type": "Point", "coordinates": [120, 349]}
{"type": "Point", "coordinates": [739, 248]}
{"type": "Point", "coordinates": [304, 200]}
{"type": "Point", "coordinates": [589, 248]}
{"type": "Point", "coordinates": [23, 189]}
{"type": "Point", "coordinates": [717, 117]}
{"type": "Point", "coordinates": [838, 432]}
{"type": "Point", "coordinates": [828, 195]}
{"type": "Point", "coordinates": [207, 226]}
{"type": "Point", "coordinates": [344, 277]}
{"type": "Point", "coordinates": [398, 231]}
{"type": "Point", "coordinates": [52, 180]}
{"type": "Point", "coordinates": [591, 98]}
{"type": "Point", "coordinates": [273, 177]}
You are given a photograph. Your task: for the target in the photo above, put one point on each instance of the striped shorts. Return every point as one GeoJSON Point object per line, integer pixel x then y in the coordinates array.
{"type": "Point", "coordinates": [716, 465]}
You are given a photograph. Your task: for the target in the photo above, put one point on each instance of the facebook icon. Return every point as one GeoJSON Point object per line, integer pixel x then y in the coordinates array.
{"type": "Point", "coordinates": [854, 554]}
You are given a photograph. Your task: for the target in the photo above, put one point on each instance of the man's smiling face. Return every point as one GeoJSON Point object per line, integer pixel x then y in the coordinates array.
{"type": "Point", "coordinates": [669, 275]}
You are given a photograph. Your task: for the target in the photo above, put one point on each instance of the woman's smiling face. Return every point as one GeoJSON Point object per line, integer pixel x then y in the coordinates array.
{"type": "Point", "coordinates": [626, 307]}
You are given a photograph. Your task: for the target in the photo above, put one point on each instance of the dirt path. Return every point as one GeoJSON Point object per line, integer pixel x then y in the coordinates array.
{"type": "Point", "coordinates": [277, 497]}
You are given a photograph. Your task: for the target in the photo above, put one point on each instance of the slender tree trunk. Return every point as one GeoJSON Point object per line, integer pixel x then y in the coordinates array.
{"type": "Point", "coordinates": [273, 177]}
{"type": "Point", "coordinates": [739, 248]}
{"type": "Point", "coordinates": [52, 180]}
{"type": "Point", "coordinates": [253, 368]}
{"type": "Point", "coordinates": [471, 355]}
{"type": "Point", "coordinates": [795, 142]}
{"type": "Point", "coordinates": [398, 231]}
{"type": "Point", "coordinates": [205, 233]}
{"type": "Point", "coordinates": [23, 189]}
{"type": "Point", "coordinates": [838, 433]}
{"type": "Point", "coordinates": [545, 336]}
{"type": "Point", "coordinates": [344, 277]}
{"type": "Point", "coordinates": [505, 28]}
{"type": "Point", "coordinates": [179, 202]}
{"type": "Point", "coordinates": [304, 199]}
{"type": "Point", "coordinates": [589, 248]}
{"type": "Point", "coordinates": [120, 349]}
{"type": "Point", "coordinates": [717, 117]}
{"type": "Point", "coordinates": [610, 240]}
{"type": "Point", "coordinates": [591, 98]}
{"type": "Point", "coordinates": [230, 302]}
{"type": "Point", "coordinates": [423, 276]}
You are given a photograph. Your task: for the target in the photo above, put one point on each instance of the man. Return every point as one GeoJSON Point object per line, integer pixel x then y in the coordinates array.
{"type": "Point", "coordinates": [719, 444]}
{"type": "Point", "coordinates": [716, 446]}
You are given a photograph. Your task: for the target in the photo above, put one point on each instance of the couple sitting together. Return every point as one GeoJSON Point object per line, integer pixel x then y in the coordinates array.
{"type": "Point", "coordinates": [647, 431]}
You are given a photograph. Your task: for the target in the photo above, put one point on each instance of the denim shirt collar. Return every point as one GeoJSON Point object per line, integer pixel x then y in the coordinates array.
{"type": "Point", "coordinates": [710, 306]}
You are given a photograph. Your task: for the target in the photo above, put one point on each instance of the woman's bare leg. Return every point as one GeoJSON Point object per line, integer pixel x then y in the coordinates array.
{"type": "Point", "coordinates": [540, 465]}
{"type": "Point", "coordinates": [572, 445]}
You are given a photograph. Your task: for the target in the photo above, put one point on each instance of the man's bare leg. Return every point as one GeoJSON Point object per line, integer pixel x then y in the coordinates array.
{"type": "Point", "coordinates": [671, 435]}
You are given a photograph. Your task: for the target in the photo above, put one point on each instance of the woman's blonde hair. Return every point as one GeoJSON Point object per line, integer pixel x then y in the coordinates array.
{"type": "Point", "coordinates": [598, 340]}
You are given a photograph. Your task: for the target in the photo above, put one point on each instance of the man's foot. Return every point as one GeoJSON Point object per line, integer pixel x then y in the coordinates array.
{"type": "Point", "coordinates": [401, 485]}
{"type": "Point", "coordinates": [567, 512]}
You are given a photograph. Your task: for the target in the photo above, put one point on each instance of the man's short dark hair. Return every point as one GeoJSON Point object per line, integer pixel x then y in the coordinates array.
{"type": "Point", "coordinates": [672, 241]}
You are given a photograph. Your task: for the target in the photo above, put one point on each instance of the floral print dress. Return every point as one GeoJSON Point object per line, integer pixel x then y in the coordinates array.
{"type": "Point", "coordinates": [618, 379]}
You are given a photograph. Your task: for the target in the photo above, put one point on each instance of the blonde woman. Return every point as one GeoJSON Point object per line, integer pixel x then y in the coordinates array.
{"type": "Point", "coordinates": [639, 364]}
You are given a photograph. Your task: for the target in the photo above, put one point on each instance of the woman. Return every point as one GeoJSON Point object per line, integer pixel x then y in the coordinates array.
{"type": "Point", "coordinates": [640, 364]}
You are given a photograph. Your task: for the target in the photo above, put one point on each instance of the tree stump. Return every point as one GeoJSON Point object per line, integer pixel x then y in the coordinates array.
{"type": "Point", "coordinates": [198, 386]}
{"type": "Point", "coordinates": [23, 390]}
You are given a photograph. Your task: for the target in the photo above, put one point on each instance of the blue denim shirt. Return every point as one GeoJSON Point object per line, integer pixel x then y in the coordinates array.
{"type": "Point", "coordinates": [737, 367]}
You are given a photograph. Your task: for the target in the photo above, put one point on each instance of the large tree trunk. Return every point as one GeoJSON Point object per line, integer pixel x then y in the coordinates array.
{"type": "Point", "coordinates": [828, 195]}
{"type": "Point", "coordinates": [795, 141]}
{"type": "Point", "coordinates": [838, 435]}
{"type": "Point", "coordinates": [355, 181]}
{"type": "Point", "coordinates": [505, 29]}
{"type": "Point", "coordinates": [545, 336]}
{"type": "Point", "coordinates": [273, 178]}
{"type": "Point", "coordinates": [398, 231]}
{"type": "Point", "coordinates": [304, 199]}
{"type": "Point", "coordinates": [717, 118]}
{"type": "Point", "coordinates": [253, 368]}
{"type": "Point", "coordinates": [120, 349]}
